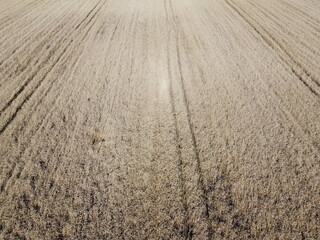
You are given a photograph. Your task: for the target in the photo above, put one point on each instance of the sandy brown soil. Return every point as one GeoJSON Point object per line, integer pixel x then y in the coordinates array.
{"type": "Point", "coordinates": [193, 119]}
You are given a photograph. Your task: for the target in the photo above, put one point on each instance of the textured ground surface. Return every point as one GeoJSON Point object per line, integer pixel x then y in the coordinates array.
{"type": "Point", "coordinates": [141, 119]}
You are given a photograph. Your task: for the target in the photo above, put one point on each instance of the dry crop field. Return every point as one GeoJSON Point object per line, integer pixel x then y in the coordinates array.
{"type": "Point", "coordinates": [159, 119]}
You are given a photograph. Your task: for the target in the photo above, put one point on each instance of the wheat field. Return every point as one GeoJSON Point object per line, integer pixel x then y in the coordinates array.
{"type": "Point", "coordinates": [159, 119]}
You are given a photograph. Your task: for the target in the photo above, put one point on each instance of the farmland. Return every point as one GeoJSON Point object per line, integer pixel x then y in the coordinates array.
{"type": "Point", "coordinates": [141, 119]}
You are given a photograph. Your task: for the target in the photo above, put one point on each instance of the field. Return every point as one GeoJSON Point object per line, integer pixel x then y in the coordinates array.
{"type": "Point", "coordinates": [163, 119]}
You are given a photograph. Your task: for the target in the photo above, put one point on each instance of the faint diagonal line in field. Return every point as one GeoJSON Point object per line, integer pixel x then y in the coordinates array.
{"type": "Point", "coordinates": [21, 89]}
{"type": "Point", "coordinates": [196, 151]}
{"type": "Point", "coordinates": [10, 174]}
{"type": "Point", "coordinates": [20, 67]}
{"type": "Point", "coordinates": [199, 169]}
{"type": "Point", "coordinates": [26, 8]}
{"type": "Point", "coordinates": [187, 226]}
{"type": "Point", "coordinates": [187, 231]}
{"type": "Point", "coordinates": [17, 110]}
{"type": "Point", "coordinates": [273, 43]}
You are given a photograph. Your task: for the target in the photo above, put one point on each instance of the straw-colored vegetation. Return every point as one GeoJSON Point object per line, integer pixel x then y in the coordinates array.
{"type": "Point", "coordinates": [159, 119]}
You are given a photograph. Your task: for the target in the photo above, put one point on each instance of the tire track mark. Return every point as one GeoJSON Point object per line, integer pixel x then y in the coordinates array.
{"type": "Point", "coordinates": [285, 56]}
{"type": "Point", "coordinates": [284, 30]}
{"type": "Point", "coordinates": [50, 34]}
{"type": "Point", "coordinates": [187, 231]}
{"type": "Point", "coordinates": [286, 113]}
{"type": "Point", "coordinates": [15, 165]}
{"type": "Point", "coordinates": [288, 29]}
{"type": "Point", "coordinates": [20, 68]}
{"type": "Point", "coordinates": [26, 24]}
{"type": "Point", "coordinates": [74, 66]}
{"type": "Point", "coordinates": [23, 43]}
{"type": "Point", "coordinates": [11, 118]}
{"type": "Point", "coordinates": [303, 14]}
{"type": "Point", "coordinates": [293, 14]}
{"type": "Point", "coordinates": [199, 170]}
{"type": "Point", "coordinates": [17, 12]}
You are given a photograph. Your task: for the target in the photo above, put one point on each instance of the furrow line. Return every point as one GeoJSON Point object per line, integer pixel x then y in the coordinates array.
{"type": "Point", "coordinates": [32, 76]}
{"type": "Point", "coordinates": [284, 31]}
{"type": "Point", "coordinates": [199, 169]}
{"type": "Point", "coordinates": [11, 20]}
{"type": "Point", "coordinates": [23, 43]}
{"type": "Point", "coordinates": [187, 231]}
{"type": "Point", "coordinates": [10, 173]}
{"type": "Point", "coordinates": [19, 69]}
{"type": "Point", "coordinates": [288, 34]}
{"type": "Point", "coordinates": [16, 13]}
{"type": "Point", "coordinates": [303, 13]}
{"type": "Point", "coordinates": [293, 14]}
{"type": "Point", "coordinates": [48, 35]}
{"type": "Point", "coordinates": [285, 110]}
{"type": "Point", "coordinates": [3, 128]}
{"type": "Point", "coordinates": [187, 226]}
{"type": "Point", "coordinates": [285, 56]}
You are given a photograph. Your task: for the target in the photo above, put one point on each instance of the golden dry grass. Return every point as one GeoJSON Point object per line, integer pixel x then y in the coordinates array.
{"type": "Point", "coordinates": [194, 119]}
